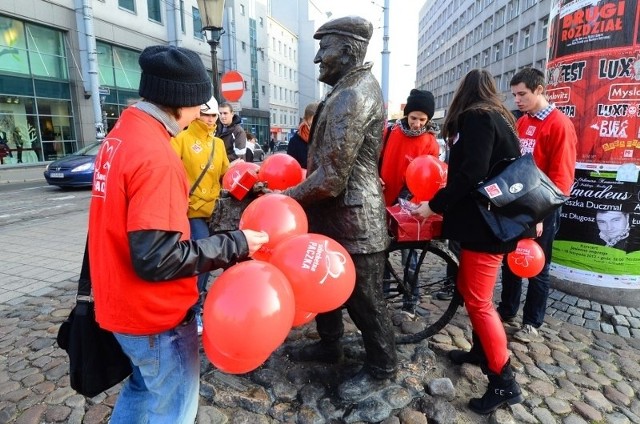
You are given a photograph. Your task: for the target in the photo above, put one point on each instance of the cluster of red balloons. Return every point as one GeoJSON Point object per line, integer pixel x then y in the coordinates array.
{"type": "Point", "coordinates": [425, 175]}
{"type": "Point", "coordinates": [527, 260]}
{"type": "Point", "coordinates": [253, 305]}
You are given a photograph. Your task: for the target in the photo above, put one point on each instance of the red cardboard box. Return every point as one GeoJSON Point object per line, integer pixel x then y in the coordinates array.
{"type": "Point", "coordinates": [243, 184]}
{"type": "Point", "coordinates": [406, 227]}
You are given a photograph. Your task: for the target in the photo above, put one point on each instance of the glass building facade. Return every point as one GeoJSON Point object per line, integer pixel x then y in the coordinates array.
{"type": "Point", "coordinates": [36, 111]}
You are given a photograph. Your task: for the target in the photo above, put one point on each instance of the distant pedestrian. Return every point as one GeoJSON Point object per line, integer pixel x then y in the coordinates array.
{"type": "Point", "coordinates": [231, 132]}
{"type": "Point", "coordinates": [298, 146]}
{"type": "Point", "coordinates": [272, 145]}
{"type": "Point", "coordinates": [143, 263]}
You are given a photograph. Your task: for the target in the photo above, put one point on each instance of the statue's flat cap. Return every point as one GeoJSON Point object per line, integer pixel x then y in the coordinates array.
{"type": "Point", "coordinates": [348, 26]}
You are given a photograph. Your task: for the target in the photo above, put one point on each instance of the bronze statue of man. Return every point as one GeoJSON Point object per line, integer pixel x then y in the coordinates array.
{"type": "Point", "coordinates": [342, 197]}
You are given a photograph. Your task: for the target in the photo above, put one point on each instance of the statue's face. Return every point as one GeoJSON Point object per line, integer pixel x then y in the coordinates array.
{"type": "Point", "coordinates": [330, 57]}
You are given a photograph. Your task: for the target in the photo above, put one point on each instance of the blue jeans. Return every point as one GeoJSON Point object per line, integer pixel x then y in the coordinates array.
{"type": "Point", "coordinates": [535, 304]}
{"type": "Point", "coordinates": [200, 230]}
{"type": "Point", "coordinates": [165, 383]}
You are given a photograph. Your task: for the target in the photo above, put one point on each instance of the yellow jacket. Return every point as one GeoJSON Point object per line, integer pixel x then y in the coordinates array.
{"type": "Point", "coordinates": [193, 146]}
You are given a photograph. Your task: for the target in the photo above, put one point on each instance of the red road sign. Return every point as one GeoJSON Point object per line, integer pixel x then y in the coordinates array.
{"type": "Point", "coordinates": [232, 86]}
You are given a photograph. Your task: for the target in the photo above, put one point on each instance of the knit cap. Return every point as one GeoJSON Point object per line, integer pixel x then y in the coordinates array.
{"type": "Point", "coordinates": [173, 76]}
{"type": "Point", "coordinates": [421, 101]}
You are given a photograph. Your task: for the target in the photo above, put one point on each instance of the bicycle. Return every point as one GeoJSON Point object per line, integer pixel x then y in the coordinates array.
{"type": "Point", "coordinates": [433, 279]}
{"type": "Point", "coordinates": [434, 275]}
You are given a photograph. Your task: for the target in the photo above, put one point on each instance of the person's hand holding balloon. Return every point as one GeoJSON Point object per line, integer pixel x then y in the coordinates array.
{"type": "Point", "coordinates": [255, 239]}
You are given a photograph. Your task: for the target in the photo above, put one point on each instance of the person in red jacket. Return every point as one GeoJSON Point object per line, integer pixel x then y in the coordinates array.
{"type": "Point", "coordinates": [143, 262]}
{"type": "Point", "coordinates": [550, 136]}
{"type": "Point", "coordinates": [404, 141]}
{"type": "Point", "coordinates": [407, 139]}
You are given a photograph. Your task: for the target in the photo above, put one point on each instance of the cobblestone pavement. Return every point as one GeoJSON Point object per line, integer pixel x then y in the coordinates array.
{"type": "Point", "coordinates": [585, 370]}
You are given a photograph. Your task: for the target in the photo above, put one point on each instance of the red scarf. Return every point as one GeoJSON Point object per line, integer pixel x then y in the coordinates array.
{"type": "Point", "coordinates": [303, 131]}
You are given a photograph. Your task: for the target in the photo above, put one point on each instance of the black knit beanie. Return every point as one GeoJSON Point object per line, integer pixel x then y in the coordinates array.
{"type": "Point", "coordinates": [173, 76]}
{"type": "Point", "coordinates": [421, 101]}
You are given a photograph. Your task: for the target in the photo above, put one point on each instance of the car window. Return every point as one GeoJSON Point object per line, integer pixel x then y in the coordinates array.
{"type": "Point", "coordinates": [90, 150]}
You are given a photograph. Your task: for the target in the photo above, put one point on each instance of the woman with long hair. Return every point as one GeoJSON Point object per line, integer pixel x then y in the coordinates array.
{"type": "Point", "coordinates": [479, 131]}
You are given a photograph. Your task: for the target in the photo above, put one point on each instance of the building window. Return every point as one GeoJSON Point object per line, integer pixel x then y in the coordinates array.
{"type": "Point", "coordinates": [244, 46]}
{"type": "Point", "coordinates": [544, 27]}
{"type": "Point", "coordinates": [197, 23]}
{"type": "Point", "coordinates": [182, 20]}
{"type": "Point", "coordinates": [510, 42]}
{"type": "Point", "coordinates": [513, 9]}
{"type": "Point", "coordinates": [242, 9]}
{"type": "Point", "coordinates": [497, 51]}
{"type": "Point", "coordinates": [500, 17]}
{"type": "Point", "coordinates": [128, 5]}
{"type": "Point", "coordinates": [526, 38]}
{"type": "Point", "coordinates": [264, 90]}
{"type": "Point", "coordinates": [261, 21]}
{"type": "Point", "coordinates": [154, 11]}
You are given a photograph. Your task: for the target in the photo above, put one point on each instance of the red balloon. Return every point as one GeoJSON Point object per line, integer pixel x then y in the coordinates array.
{"type": "Point", "coordinates": [425, 175]}
{"type": "Point", "coordinates": [320, 270]}
{"type": "Point", "coordinates": [249, 310]}
{"type": "Point", "coordinates": [280, 171]}
{"type": "Point", "coordinates": [227, 364]}
{"type": "Point", "coordinates": [235, 172]}
{"type": "Point", "coordinates": [279, 216]}
{"type": "Point", "coordinates": [302, 317]}
{"type": "Point", "coordinates": [527, 260]}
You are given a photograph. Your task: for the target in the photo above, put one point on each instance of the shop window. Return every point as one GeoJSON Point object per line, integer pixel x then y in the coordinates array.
{"type": "Point", "coordinates": [126, 68]}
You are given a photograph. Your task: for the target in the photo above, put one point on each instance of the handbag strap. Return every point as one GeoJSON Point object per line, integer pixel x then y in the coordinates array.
{"type": "Point", "coordinates": [513, 130]}
{"type": "Point", "coordinates": [204, 171]}
{"type": "Point", "coordinates": [84, 282]}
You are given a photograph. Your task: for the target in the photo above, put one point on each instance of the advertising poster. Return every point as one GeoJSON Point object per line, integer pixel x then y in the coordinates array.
{"type": "Point", "coordinates": [579, 26]}
{"type": "Point", "coordinates": [599, 236]}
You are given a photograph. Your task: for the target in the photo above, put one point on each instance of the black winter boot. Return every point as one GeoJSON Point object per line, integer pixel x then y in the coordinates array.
{"type": "Point", "coordinates": [475, 356]}
{"type": "Point", "coordinates": [502, 390]}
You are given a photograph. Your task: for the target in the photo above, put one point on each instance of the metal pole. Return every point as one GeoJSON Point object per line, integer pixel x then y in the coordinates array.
{"type": "Point", "coordinates": [214, 41]}
{"type": "Point", "coordinates": [214, 70]}
{"type": "Point", "coordinates": [385, 58]}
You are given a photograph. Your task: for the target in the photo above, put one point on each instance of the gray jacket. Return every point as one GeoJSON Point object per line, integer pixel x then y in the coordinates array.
{"type": "Point", "coordinates": [342, 195]}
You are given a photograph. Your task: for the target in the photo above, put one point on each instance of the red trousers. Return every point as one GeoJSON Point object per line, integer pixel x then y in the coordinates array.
{"type": "Point", "coordinates": [476, 281]}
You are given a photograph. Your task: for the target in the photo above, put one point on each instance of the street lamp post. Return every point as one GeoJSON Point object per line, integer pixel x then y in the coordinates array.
{"type": "Point", "coordinates": [211, 13]}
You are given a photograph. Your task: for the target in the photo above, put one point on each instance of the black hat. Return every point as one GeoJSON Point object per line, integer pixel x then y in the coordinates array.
{"type": "Point", "coordinates": [349, 26]}
{"type": "Point", "coordinates": [173, 76]}
{"type": "Point", "coordinates": [421, 101]}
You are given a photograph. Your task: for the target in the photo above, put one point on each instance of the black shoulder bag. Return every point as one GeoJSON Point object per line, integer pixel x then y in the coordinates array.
{"type": "Point", "coordinates": [517, 198]}
{"type": "Point", "coordinates": [96, 360]}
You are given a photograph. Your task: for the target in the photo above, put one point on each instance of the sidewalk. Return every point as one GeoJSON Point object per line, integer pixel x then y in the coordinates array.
{"type": "Point", "coordinates": [586, 369]}
{"type": "Point", "coordinates": [21, 173]}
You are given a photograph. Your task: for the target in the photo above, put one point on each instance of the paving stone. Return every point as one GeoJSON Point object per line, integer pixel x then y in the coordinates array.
{"type": "Point", "coordinates": [623, 331]}
{"type": "Point", "coordinates": [569, 299]}
{"type": "Point", "coordinates": [607, 328]}
{"type": "Point", "coordinates": [595, 306]}
{"type": "Point", "coordinates": [622, 310]}
{"type": "Point", "coordinates": [544, 416]}
{"type": "Point", "coordinates": [616, 396]}
{"type": "Point", "coordinates": [574, 419]}
{"type": "Point", "coordinates": [558, 406]}
{"type": "Point", "coordinates": [598, 400]}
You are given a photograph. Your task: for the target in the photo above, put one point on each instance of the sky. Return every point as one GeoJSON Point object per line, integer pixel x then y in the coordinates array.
{"type": "Point", "coordinates": [403, 39]}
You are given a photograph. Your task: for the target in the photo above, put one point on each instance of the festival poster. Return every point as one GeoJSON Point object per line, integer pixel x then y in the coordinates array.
{"type": "Point", "coordinates": [598, 236]}
{"type": "Point", "coordinates": [600, 93]}
{"type": "Point", "coordinates": [578, 26]}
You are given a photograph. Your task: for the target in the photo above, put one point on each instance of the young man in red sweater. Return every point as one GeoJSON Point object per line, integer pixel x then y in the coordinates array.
{"type": "Point", "coordinates": [550, 136]}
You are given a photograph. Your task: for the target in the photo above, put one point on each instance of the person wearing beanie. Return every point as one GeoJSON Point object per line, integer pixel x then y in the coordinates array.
{"type": "Point", "coordinates": [205, 160]}
{"type": "Point", "coordinates": [143, 262]}
{"type": "Point", "coordinates": [407, 139]}
{"type": "Point", "coordinates": [298, 146]}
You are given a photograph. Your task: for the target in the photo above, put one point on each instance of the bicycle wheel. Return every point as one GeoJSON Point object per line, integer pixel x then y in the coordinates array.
{"type": "Point", "coordinates": [429, 286]}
